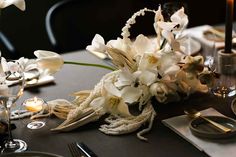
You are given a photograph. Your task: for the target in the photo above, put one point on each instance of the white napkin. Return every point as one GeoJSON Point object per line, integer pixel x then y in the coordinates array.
{"type": "Point", "coordinates": [41, 81]}
{"type": "Point", "coordinates": [214, 148]}
{"type": "Point", "coordinates": [197, 33]}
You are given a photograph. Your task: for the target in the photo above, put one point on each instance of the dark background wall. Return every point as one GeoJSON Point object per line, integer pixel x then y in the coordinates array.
{"type": "Point", "coordinates": [26, 30]}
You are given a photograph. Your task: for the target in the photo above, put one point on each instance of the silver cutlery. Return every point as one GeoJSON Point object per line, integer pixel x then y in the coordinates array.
{"type": "Point", "coordinates": [85, 149]}
{"type": "Point", "coordinates": [75, 152]}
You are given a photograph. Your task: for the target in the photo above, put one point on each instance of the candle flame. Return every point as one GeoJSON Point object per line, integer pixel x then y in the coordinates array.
{"type": "Point", "coordinates": [35, 99]}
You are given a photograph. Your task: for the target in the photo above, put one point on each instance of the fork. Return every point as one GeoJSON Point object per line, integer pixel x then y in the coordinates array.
{"type": "Point", "coordinates": [75, 152]}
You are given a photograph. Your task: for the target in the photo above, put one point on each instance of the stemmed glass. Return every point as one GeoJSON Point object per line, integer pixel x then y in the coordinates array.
{"type": "Point", "coordinates": [11, 89]}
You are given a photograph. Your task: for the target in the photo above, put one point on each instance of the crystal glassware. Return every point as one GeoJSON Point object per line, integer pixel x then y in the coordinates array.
{"type": "Point", "coordinates": [11, 89]}
{"type": "Point", "coordinates": [225, 86]}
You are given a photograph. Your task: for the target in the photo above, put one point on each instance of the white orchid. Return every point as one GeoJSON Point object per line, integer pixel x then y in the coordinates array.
{"type": "Point", "coordinates": [18, 3]}
{"type": "Point", "coordinates": [49, 62]}
{"type": "Point", "coordinates": [115, 101]}
{"type": "Point", "coordinates": [143, 44]}
{"type": "Point", "coordinates": [172, 30]}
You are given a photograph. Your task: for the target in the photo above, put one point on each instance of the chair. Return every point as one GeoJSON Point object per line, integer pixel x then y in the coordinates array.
{"type": "Point", "coordinates": [7, 48]}
{"type": "Point", "coordinates": [72, 24]}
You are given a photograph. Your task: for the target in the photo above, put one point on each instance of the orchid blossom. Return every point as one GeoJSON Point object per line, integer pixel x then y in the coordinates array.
{"type": "Point", "coordinates": [171, 30]}
{"type": "Point", "coordinates": [115, 101]}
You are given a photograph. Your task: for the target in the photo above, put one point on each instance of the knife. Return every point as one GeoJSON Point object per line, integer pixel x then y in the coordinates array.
{"type": "Point", "coordinates": [85, 149]}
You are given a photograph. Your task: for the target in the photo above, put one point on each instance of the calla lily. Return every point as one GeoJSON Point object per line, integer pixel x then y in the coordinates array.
{"type": "Point", "coordinates": [18, 3]}
{"type": "Point", "coordinates": [49, 61]}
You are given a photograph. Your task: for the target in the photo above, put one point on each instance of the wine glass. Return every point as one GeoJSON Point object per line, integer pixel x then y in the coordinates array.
{"type": "Point", "coordinates": [11, 89]}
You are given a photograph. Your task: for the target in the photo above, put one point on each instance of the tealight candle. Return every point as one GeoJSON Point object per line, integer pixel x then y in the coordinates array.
{"type": "Point", "coordinates": [34, 104]}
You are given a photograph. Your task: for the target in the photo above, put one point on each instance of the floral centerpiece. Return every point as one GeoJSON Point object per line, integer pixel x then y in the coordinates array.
{"type": "Point", "coordinates": [146, 68]}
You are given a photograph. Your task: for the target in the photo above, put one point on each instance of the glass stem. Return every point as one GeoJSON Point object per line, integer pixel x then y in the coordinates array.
{"type": "Point", "coordinates": [10, 139]}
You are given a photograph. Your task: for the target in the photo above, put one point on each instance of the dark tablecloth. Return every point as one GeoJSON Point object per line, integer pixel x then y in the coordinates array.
{"type": "Point", "coordinates": [162, 142]}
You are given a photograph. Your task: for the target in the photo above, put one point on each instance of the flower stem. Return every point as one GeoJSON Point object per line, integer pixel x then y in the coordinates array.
{"type": "Point", "coordinates": [88, 64]}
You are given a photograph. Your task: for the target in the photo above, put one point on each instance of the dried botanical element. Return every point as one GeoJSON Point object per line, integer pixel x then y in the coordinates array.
{"type": "Point", "coordinates": [147, 68]}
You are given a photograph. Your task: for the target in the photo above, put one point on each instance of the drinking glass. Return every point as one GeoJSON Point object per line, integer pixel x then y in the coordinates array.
{"type": "Point", "coordinates": [11, 89]}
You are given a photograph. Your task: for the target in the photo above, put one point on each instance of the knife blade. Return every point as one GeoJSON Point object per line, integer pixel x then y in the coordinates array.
{"type": "Point", "coordinates": [85, 149]}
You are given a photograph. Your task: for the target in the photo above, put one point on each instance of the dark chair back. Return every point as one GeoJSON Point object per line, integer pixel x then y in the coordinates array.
{"type": "Point", "coordinates": [7, 49]}
{"type": "Point", "coordinates": [72, 24]}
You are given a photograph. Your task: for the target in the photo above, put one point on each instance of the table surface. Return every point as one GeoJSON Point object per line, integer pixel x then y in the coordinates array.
{"type": "Point", "coordinates": [162, 142]}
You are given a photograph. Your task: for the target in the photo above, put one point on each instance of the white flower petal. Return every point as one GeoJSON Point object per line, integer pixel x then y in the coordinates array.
{"type": "Point", "coordinates": [168, 36]}
{"type": "Point", "coordinates": [98, 102]}
{"type": "Point", "coordinates": [49, 61]}
{"type": "Point", "coordinates": [125, 78]}
{"type": "Point", "coordinates": [111, 89]}
{"type": "Point", "coordinates": [172, 70]}
{"type": "Point", "coordinates": [98, 44]}
{"type": "Point", "coordinates": [148, 61]}
{"type": "Point", "coordinates": [143, 44]}
{"type": "Point", "coordinates": [148, 77]}
{"type": "Point", "coordinates": [181, 18]}
{"type": "Point", "coordinates": [123, 109]}
{"type": "Point", "coordinates": [130, 94]}
{"type": "Point", "coordinates": [168, 26]}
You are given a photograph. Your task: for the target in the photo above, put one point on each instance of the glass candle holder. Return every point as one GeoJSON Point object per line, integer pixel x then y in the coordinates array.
{"type": "Point", "coordinates": [225, 86]}
{"type": "Point", "coordinates": [35, 105]}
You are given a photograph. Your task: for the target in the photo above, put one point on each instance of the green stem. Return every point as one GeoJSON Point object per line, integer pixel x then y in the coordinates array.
{"type": "Point", "coordinates": [88, 64]}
